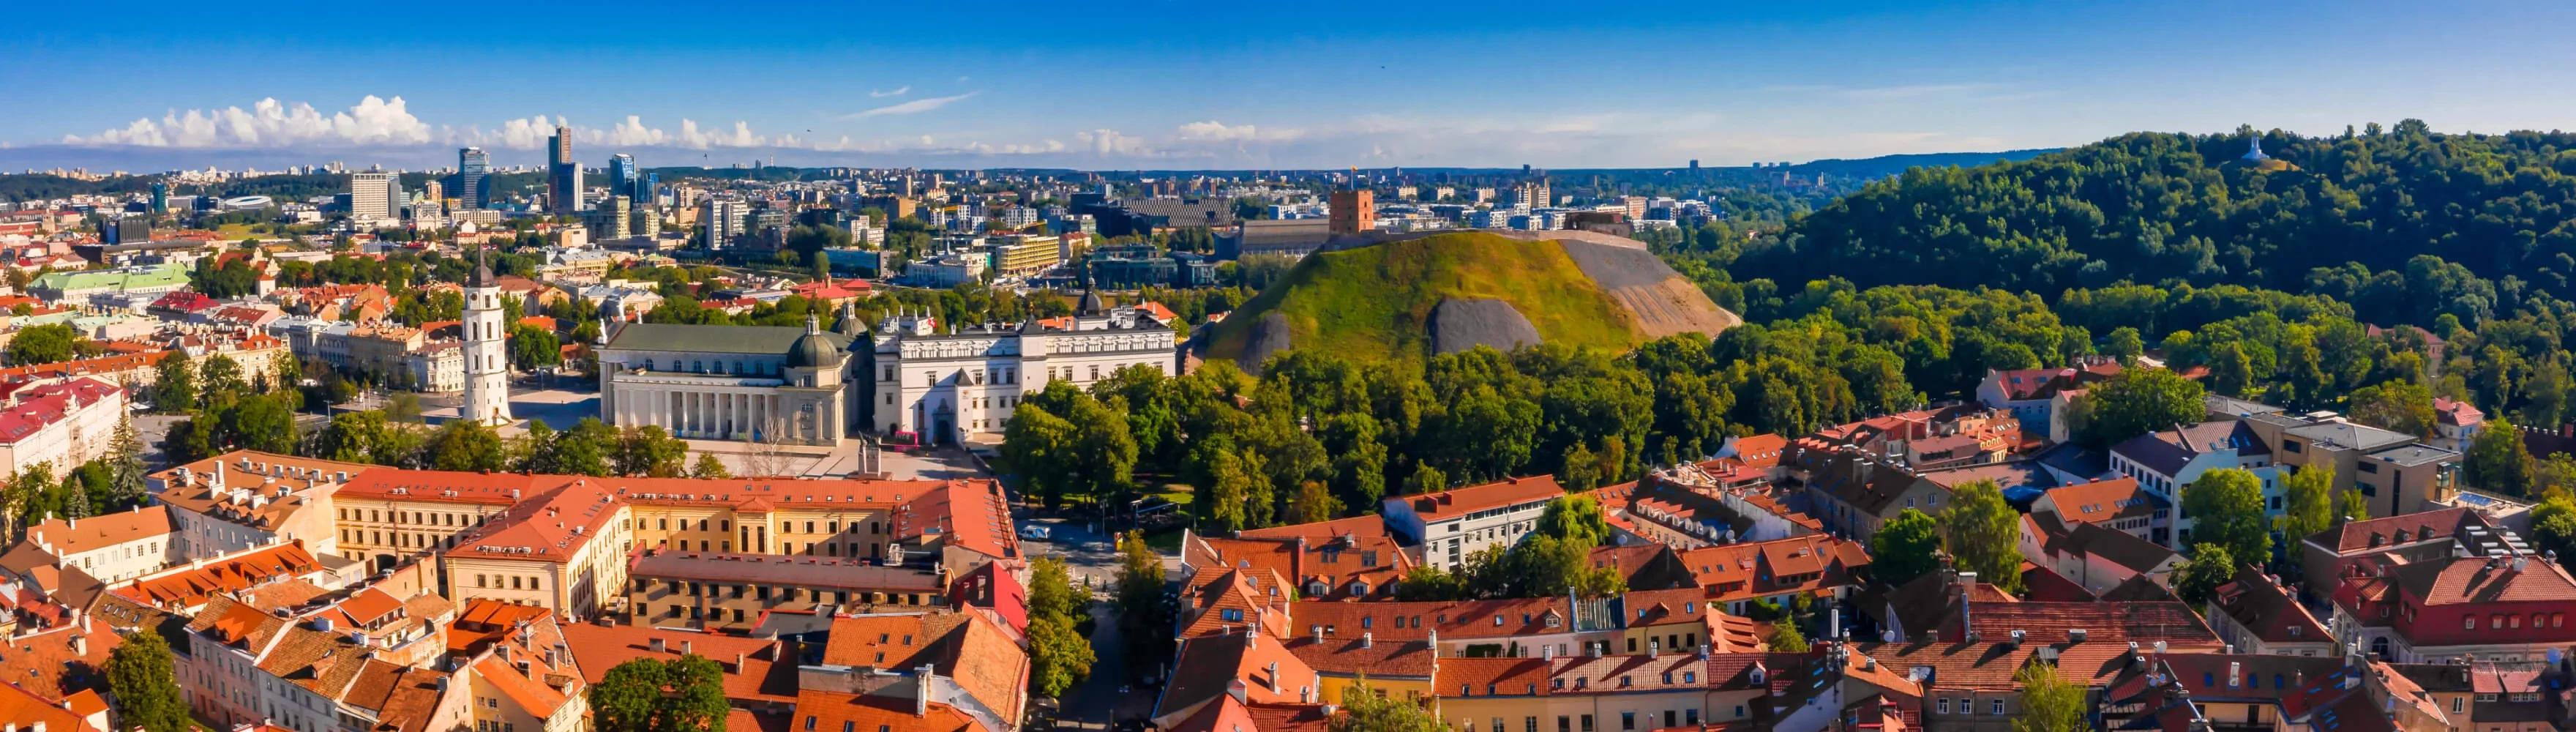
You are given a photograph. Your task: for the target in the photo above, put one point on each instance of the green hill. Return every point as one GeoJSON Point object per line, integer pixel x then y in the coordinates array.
{"type": "Point", "coordinates": [2159, 208]}
{"type": "Point", "coordinates": [1412, 297]}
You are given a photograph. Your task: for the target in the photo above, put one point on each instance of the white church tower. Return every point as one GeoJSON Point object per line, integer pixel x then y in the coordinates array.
{"type": "Point", "coordinates": [487, 359]}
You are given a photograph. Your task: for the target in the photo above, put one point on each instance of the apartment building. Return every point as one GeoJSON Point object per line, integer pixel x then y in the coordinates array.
{"type": "Point", "coordinates": [1450, 525]}
{"type": "Point", "coordinates": [246, 499]}
{"type": "Point", "coordinates": [113, 548]}
{"type": "Point", "coordinates": [734, 591]}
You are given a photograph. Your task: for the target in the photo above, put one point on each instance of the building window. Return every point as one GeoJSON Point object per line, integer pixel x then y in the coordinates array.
{"type": "Point", "coordinates": [1945, 706]}
{"type": "Point", "coordinates": [1995, 707]}
{"type": "Point", "coordinates": [1627, 720]}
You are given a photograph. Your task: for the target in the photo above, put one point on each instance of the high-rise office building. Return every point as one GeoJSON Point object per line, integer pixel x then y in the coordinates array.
{"type": "Point", "coordinates": [126, 230]}
{"type": "Point", "coordinates": [375, 195]}
{"type": "Point", "coordinates": [723, 221]}
{"type": "Point", "coordinates": [563, 176]}
{"type": "Point", "coordinates": [647, 193]}
{"type": "Point", "coordinates": [160, 197]}
{"type": "Point", "coordinates": [472, 165]}
{"type": "Point", "coordinates": [621, 175]}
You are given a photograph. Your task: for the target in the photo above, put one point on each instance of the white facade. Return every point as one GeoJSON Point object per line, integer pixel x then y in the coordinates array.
{"type": "Point", "coordinates": [728, 382]}
{"type": "Point", "coordinates": [946, 387]}
{"type": "Point", "coordinates": [487, 361]}
{"type": "Point", "coordinates": [61, 425]}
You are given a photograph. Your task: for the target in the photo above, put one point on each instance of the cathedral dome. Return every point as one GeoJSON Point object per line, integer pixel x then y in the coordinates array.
{"type": "Point", "coordinates": [813, 350]}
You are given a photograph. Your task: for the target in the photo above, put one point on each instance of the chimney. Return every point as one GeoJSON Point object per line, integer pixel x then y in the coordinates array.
{"type": "Point", "coordinates": [923, 674]}
{"type": "Point", "coordinates": [1272, 671]}
{"type": "Point", "coordinates": [1235, 688]}
{"type": "Point", "coordinates": [2235, 674]}
{"type": "Point", "coordinates": [1966, 580]}
{"type": "Point", "coordinates": [1654, 648]}
{"type": "Point", "coordinates": [1834, 621]}
{"type": "Point", "coordinates": [80, 645]}
{"type": "Point", "coordinates": [688, 647]}
{"type": "Point", "coordinates": [1368, 640]}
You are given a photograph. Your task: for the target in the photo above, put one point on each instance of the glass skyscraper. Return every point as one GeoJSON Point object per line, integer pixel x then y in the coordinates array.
{"type": "Point", "coordinates": [472, 165]}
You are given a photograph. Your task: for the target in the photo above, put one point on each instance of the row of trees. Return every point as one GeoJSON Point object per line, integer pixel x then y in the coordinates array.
{"type": "Point", "coordinates": [589, 447]}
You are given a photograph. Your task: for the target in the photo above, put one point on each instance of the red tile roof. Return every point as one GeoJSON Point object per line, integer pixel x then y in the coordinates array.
{"type": "Point", "coordinates": [755, 670]}
{"type": "Point", "coordinates": [827, 711]}
{"type": "Point", "coordinates": [1457, 502]}
{"type": "Point", "coordinates": [190, 587]}
{"type": "Point", "coordinates": [1468, 677]}
{"type": "Point", "coordinates": [64, 537]}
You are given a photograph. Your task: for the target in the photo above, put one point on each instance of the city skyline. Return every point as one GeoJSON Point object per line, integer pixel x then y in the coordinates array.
{"type": "Point", "coordinates": [1227, 88]}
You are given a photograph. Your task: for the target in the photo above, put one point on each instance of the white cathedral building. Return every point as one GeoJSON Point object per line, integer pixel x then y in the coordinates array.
{"type": "Point", "coordinates": [731, 382]}
{"type": "Point", "coordinates": [907, 380]}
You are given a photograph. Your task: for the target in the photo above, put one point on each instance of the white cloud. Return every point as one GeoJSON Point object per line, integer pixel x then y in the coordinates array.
{"type": "Point", "coordinates": [898, 91]}
{"type": "Point", "coordinates": [916, 106]}
{"type": "Point", "coordinates": [372, 121]}
{"type": "Point", "coordinates": [1214, 131]}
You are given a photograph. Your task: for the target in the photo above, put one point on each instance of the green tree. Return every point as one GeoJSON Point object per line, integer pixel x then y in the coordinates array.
{"type": "Point", "coordinates": [174, 387]}
{"type": "Point", "coordinates": [1577, 518]}
{"type": "Point", "coordinates": [1785, 638]}
{"type": "Point", "coordinates": [2139, 401]}
{"type": "Point", "coordinates": [1582, 471]}
{"type": "Point", "coordinates": [2402, 405]}
{"type": "Point", "coordinates": [626, 697]}
{"type": "Point", "coordinates": [650, 451]}
{"type": "Point", "coordinates": [1903, 548]}
{"type": "Point", "coordinates": [2226, 509]}
{"type": "Point", "coordinates": [1366, 709]}
{"type": "Point", "coordinates": [1430, 584]}
{"type": "Point", "coordinates": [465, 445]}
{"type": "Point", "coordinates": [1426, 479]}
{"type": "Point", "coordinates": [221, 379]}
{"type": "Point", "coordinates": [533, 348]}
{"type": "Point", "coordinates": [709, 467]}
{"type": "Point", "coordinates": [2049, 703]}
{"type": "Point", "coordinates": [2211, 566]}
{"type": "Point", "coordinates": [2553, 526]}
{"type": "Point", "coordinates": [47, 343]}
{"type": "Point", "coordinates": [1144, 613]}
{"type": "Point", "coordinates": [684, 694]}
{"type": "Point", "coordinates": [2498, 461]}
{"type": "Point", "coordinates": [141, 677]}
{"type": "Point", "coordinates": [125, 466]}
{"type": "Point", "coordinates": [2124, 344]}
{"type": "Point", "coordinates": [1982, 533]}
{"type": "Point", "coordinates": [2308, 498]}
{"type": "Point", "coordinates": [1052, 592]}
{"type": "Point", "coordinates": [1059, 657]}
{"type": "Point", "coordinates": [264, 423]}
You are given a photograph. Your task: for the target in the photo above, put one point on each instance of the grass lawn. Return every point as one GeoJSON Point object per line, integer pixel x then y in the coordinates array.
{"type": "Point", "coordinates": [1375, 303]}
{"type": "Point", "coordinates": [238, 231]}
{"type": "Point", "coordinates": [1167, 541]}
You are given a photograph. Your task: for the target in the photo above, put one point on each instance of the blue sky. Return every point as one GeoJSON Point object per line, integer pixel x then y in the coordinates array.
{"type": "Point", "coordinates": [1247, 85]}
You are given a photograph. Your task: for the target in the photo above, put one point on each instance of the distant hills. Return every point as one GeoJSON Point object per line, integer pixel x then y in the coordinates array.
{"type": "Point", "coordinates": [1416, 296]}
{"type": "Point", "coordinates": [2165, 208]}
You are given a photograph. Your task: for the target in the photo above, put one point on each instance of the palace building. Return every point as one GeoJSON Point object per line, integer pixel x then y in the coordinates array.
{"type": "Point", "coordinates": [951, 387]}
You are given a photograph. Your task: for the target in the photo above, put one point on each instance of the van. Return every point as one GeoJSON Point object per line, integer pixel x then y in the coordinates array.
{"type": "Point", "coordinates": [1034, 533]}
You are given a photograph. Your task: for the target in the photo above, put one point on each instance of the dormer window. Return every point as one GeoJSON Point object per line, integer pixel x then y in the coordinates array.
{"type": "Point", "coordinates": [1231, 615]}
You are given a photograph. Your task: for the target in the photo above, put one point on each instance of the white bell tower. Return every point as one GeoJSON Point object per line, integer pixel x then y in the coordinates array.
{"type": "Point", "coordinates": [487, 358]}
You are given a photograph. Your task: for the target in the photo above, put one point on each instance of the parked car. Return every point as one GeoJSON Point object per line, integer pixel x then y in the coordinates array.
{"type": "Point", "coordinates": [1033, 533]}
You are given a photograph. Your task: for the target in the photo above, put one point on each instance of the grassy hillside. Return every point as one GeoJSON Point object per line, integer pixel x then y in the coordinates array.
{"type": "Point", "coordinates": [1375, 303]}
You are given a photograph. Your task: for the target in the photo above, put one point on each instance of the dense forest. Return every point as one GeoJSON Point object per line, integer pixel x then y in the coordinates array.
{"type": "Point", "coordinates": [2361, 215]}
